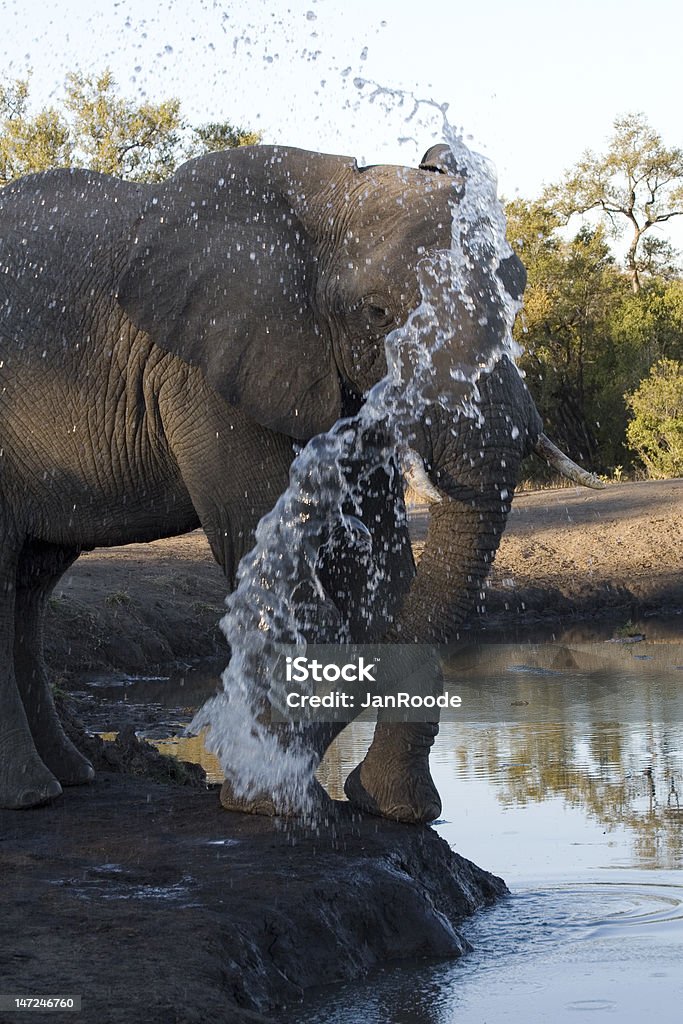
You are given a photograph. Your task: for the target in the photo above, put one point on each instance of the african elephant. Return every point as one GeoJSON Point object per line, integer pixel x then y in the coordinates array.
{"type": "Point", "coordinates": [163, 349]}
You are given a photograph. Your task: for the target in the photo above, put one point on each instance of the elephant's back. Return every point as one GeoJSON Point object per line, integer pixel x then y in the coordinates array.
{"type": "Point", "coordinates": [60, 235]}
{"type": "Point", "coordinates": [53, 225]}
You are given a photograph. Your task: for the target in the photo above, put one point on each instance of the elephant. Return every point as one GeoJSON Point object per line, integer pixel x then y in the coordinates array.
{"type": "Point", "coordinates": [165, 349]}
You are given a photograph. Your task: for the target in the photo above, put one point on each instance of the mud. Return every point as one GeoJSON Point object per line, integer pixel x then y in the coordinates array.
{"type": "Point", "coordinates": [157, 906]}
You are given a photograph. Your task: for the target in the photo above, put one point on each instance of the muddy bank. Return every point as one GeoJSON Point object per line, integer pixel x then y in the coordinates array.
{"type": "Point", "coordinates": [156, 905]}
{"type": "Point", "coordinates": [566, 553]}
{"type": "Point", "coordinates": [134, 608]}
{"type": "Point", "coordinates": [612, 552]}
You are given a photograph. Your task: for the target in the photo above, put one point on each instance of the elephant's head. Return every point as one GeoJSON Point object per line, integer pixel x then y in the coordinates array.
{"type": "Point", "coordinates": [280, 272]}
{"type": "Point", "coordinates": [472, 468]}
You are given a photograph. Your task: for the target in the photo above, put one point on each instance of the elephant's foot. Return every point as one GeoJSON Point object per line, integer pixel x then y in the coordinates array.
{"type": "Point", "coordinates": [64, 759]}
{"type": "Point", "coordinates": [314, 803]}
{"type": "Point", "coordinates": [26, 781]}
{"type": "Point", "coordinates": [408, 796]}
{"type": "Point", "coordinates": [393, 779]}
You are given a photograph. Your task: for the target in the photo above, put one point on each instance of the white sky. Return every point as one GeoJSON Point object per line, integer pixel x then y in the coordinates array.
{"type": "Point", "coordinates": [533, 82]}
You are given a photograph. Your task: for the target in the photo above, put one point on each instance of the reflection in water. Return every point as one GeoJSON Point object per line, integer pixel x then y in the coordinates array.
{"type": "Point", "coordinates": [607, 745]}
{"type": "Point", "coordinates": [616, 775]}
{"type": "Point", "coordinates": [191, 748]}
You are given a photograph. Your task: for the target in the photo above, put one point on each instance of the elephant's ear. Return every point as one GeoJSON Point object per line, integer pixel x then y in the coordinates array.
{"type": "Point", "coordinates": [440, 158]}
{"type": "Point", "coordinates": [221, 272]}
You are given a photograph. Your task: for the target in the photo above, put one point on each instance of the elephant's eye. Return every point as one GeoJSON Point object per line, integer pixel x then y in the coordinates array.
{"type": "Point", "coordinates": [378, 316]}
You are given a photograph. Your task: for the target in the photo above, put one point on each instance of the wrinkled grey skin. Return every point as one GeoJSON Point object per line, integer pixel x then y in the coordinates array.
{"type": "Point", "coordinates": [163, 346]}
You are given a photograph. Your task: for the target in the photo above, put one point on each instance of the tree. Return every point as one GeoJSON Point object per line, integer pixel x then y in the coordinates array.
{"type": "Point", "coordinates": [656, 430]}
{"type": "Point", "coordinates": [98, 128]}
{"type": "Point", "coordinates": [572, 291]}
{"type": "Point", "coordinates": [219, 135]}
{"type": "Point", "coordinates": [29, 143]}
{"type": "Point", "coordinates": [648, 327]}
{"type": "Point", "coordinates": [117, 136]}
{"type": "Point", "coordinates": [637, 182]}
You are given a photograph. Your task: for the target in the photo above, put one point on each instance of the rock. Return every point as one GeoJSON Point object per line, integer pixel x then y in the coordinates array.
{"type": "Point", "coordinates": [127, 753]}
{"type": "Point", "coordinates": [155, 904]}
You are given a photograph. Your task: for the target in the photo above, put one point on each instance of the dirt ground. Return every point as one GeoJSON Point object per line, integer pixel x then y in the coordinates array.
{"type": "Point", "coordinates": [566, 553]}
{"type": "Point", "coordinates": [576, 552]}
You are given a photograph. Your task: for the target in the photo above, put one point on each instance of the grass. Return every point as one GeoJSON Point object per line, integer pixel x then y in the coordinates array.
{"type": "Point", "coordinates": [628, 629]}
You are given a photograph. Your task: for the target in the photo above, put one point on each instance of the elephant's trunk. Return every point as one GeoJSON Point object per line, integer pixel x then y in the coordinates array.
{"type": "Point", "coordinates": [461, 543]}
{"type": "Point", "coordinates": [474, 466]}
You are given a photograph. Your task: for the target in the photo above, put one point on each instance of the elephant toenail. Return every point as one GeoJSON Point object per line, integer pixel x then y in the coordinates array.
{"type": "Point", "coordinates": [34, 797]}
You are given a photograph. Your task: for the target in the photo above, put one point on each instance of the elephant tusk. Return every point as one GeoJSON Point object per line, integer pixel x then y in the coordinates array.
{"type": "Point", "coordinates": [415, 477]}
{"type": "Point", "coordinates": [551, 454]}
{"type": "Point", "coordinates": [356, 525]}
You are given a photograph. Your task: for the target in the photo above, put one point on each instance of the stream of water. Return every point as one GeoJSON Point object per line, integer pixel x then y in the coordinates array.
{"type": "Point", "coordinates": [432, 357]}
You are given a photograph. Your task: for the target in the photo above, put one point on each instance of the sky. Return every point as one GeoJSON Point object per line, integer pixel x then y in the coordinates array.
{"type": "Point", "coordinates": [531, 84]}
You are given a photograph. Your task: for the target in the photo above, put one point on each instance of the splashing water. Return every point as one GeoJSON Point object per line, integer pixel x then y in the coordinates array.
{"type": "Point", "coordinates": [279, 598]}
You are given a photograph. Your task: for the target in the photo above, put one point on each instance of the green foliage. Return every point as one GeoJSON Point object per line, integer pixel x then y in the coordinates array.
{"type": "Point", "coordinates": [30, 142]}
{"type": "Point", "coordinates": [649, 326]}
{"type": "Point", "coordinates": [114, 135]}
{"type": "Point", "coordinates": [637, 183]}
{"type": "Point", "coordinates": [588, 337]}
{"type": "Point", "coordinates": [98, 128]}
{"type": "Point", "coordinates": [572, 291]}
{"type": "Point", "coordinates": [219, 135]}
{"type": "Point", "coordinates": [656, 430]}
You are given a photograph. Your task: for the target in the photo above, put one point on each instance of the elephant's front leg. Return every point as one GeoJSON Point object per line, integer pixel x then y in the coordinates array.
{"type": "Point", "coordinates": [393, 779]}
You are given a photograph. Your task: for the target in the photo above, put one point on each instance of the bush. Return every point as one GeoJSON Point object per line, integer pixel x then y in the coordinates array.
{"type": "Point", "coordinates": [656, 431]}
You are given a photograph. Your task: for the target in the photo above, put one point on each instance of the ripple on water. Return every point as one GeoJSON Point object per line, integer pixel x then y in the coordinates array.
{"type": "Point", "coordinates": [577, 913]}
{"type": "Point", "coordinates": [555, 953]}
{"type": "Point", "coordinates": [637, 906]}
